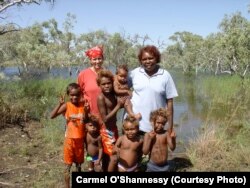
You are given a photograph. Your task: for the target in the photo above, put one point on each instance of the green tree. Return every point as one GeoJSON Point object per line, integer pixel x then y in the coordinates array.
{"type": "Point", "coordinates": [32, 50]}
{"type": "Point", "coordinates": [184, 51]}
{"type": "Point", "coordinates": [236, 43]}
{"type": "Point", "coordinates": [8, 44]}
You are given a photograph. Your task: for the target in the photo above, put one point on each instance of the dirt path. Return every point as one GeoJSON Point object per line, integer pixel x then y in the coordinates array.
{"type": "Point", "coordinates": [25, 160]}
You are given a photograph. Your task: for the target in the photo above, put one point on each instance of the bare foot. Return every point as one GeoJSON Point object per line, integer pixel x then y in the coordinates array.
{"type": "Point", "coordinates": [98, 168]}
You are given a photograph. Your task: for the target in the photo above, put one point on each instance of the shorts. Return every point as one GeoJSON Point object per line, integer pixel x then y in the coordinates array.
{"type": "Point", "coordinates": [109, 138]}
{"type": "Point", "coordinates": [73, 151]}
{"type": "Point", "coordinates": [131, 169]}
{"type": "Point", "coordinates": [152, 167]}
{"type": "Point", "coordinates": [92, 159]}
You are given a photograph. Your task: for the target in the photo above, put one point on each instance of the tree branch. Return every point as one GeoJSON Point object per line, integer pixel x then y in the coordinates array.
{"type": "Point", "coordinates": [7, 31]}
{"type": "Point", "coordinates": [12, 3]}
{"type": "Point", "coordinates": [245, 71]}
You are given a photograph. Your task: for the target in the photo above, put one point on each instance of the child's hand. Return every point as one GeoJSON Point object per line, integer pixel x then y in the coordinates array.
{"type": "Point", "coordinates": [130, 93]}
{"type": "Point", "coordinates": [152, 134]}
{"type": "Point", "coordinates": [121, 101]}
{"type": "Point", "coordinates": [62, 98]}
{"type": "Point", "coordinates": [86, 105]}
{"type": "Point", "coordinates": [173, 134]}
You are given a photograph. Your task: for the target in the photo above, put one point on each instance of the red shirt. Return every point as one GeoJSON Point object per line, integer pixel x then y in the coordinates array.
{"type": "Point", "coordinates": [89, 88]}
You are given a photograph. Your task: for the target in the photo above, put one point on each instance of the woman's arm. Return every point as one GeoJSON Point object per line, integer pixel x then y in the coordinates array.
{"type": "Point", "coordinates": [171, 139]}
{"type": "Point", "coordinates": [170, 111]}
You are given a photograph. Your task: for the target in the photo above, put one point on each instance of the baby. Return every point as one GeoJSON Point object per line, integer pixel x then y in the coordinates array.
{"type": "Point", "coordinates": [122, 89]}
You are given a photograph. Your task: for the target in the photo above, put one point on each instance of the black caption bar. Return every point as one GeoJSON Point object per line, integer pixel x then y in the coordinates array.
{"type": "Point", "coordinates": [164, 179]}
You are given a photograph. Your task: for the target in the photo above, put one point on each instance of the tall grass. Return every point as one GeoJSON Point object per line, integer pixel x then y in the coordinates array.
{"type": "Point", "coordinates": [223, 143]}
{"type": "Point", "coordinates": [32, 99]}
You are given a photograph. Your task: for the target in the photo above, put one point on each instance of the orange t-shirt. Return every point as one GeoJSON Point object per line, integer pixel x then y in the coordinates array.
{"type": "Point", "coordinates": [73, 115]}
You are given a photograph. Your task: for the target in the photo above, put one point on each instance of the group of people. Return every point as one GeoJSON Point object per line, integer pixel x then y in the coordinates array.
{"type": "Point", "coordinates": [94, 102]}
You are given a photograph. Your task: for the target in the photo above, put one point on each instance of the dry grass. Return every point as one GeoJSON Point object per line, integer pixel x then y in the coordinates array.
{"type": "Point", "coordinates": [214, 151]}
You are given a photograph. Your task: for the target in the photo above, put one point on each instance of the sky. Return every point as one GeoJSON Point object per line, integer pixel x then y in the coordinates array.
{"type": "Point", "coordinates": [159, 19]}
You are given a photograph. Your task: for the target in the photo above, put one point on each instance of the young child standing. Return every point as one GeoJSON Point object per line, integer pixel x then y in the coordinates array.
{"type": "Point", "coordinates": [108, 106]}
{"type": "Point", "coordinates": [93, 144]}
{"type": "Point", "coordinates": [157, 142]}
{"type": "Point", "coordinates": [74, 111]}
{"type": "Point", "coordinates": [129, 146]}
{"type": "Point", "coordinates": [122, 89]}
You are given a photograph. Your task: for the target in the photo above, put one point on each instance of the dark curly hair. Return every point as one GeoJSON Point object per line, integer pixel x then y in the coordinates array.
{"type": "Point", "coordinates": [162, 112]}
{"type": "Point", "coordinates": [106, 74]}
{"type": "Point", "coordinates": [132, 120]}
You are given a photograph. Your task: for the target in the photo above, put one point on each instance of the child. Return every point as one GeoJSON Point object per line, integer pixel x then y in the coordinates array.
{"type": "Point", "coordinates": [122, 89]}
{"type": "Point", "coordinates": [74, 111]}
{"type": "Point", "coordinates": [108, 106]}
{"type": "Point", "coordinates": [93, 144]}
{"type": "Point", "coordinates": [157, 142]}
{"type": "Point", "coordinates": [129, 146]}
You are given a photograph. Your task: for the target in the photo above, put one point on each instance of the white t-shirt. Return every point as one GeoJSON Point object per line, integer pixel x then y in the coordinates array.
{"type": "Point", "coordinates": [150, 93]}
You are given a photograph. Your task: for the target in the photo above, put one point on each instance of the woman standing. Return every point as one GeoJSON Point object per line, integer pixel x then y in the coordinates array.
{"type": "Point", "coordinates": [87, 78]}
{"type": "Point", "coordinates": [153, 88]}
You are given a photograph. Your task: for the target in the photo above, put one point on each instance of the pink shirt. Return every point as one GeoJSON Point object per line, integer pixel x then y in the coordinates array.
{"type": "Point", "coordinates": [90, 89]}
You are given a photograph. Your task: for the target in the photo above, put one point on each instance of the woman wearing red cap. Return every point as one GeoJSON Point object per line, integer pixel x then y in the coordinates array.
{"type": "Point", "coordinates": [87, 78]}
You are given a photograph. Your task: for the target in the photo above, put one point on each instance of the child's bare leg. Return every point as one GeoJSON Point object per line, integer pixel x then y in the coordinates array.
{"type": "Point", "coordinates": [98, 168]}
{"type": "Point", "coordinates": [67, 176]}
{"type": "Point", "coordinates": [90, 166]}
{"type": "Point", "coordinates": [105, 162]}
{"type": "Point", "coordinates": [128, 108]}
{"type": "Point", "coordinates": [112, 167]}
{"type": "Point", "coordinates": [78, 167]}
